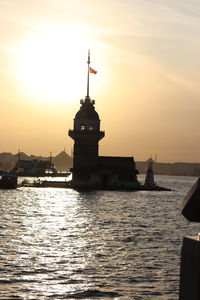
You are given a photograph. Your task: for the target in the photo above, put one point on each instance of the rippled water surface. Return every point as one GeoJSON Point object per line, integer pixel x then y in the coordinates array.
{"type": "Point", "coordinates": [64, 244]}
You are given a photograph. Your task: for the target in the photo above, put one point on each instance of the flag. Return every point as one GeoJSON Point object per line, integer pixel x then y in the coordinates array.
{"type": "Point", "coordinates": [92, 71]}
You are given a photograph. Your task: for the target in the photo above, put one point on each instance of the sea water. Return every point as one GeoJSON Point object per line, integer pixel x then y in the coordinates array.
{"type": "Point", "coordinates": [65, 244]}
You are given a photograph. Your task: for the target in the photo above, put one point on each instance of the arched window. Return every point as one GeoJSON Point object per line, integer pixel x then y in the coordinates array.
{"type": "Point", "coordinates": [82, 127]}
{"type": "Point", "coordinates": [91, 127]}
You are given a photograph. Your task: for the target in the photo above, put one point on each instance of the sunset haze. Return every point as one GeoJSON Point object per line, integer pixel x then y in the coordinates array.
{"type": "Point", "coordinates": [147, 86]}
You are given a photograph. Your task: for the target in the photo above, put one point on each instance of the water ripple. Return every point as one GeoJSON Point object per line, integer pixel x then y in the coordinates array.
{"type": "Point", "coordinates": [62, 244]}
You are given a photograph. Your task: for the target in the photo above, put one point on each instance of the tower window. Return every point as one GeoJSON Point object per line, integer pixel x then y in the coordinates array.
{"type": "Point", "coordinates": [82, 127]}
{"type": "Point", "coordinates": [91, 128]}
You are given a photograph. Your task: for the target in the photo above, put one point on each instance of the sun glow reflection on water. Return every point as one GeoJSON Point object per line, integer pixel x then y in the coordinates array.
{"type": "Point", "coordinates": [59, 242]}
{"type": "Point", "coordinates": [46, 238]}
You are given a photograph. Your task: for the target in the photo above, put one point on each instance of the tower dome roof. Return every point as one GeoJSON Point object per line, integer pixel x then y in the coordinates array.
{"type": "Point", "coordinates": [87, 112]}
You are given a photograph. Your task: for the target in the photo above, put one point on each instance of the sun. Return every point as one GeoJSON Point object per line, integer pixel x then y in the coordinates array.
{"type": "Point", "coordinates": [51, 65]}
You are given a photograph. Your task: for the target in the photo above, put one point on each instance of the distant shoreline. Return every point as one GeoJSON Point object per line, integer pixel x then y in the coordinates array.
{"type": "Point", "coordinates": [174, 169]}
{"type": "Point", "coordinates": [63, 162]}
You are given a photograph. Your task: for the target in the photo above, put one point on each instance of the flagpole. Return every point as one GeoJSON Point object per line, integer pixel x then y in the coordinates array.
{"type": "Point", "coordinates": [88, 62]}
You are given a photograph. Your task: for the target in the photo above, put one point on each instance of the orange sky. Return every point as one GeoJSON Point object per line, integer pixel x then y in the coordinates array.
{"type": "Point", "coordinates": [147, 88]}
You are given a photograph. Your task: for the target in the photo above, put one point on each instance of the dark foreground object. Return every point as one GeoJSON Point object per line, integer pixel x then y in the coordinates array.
{"type": "Point", "coordinates": [190, 269]}
{"type": "Point", "coordinates": [191, 203]}
{"type": "Point", "coordinates": [8, 181]}
{"type": "Point", "coordinates": [69, 184]}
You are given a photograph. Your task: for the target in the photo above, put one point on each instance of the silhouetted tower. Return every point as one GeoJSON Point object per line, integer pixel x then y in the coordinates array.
{"type": "Point", "coordinates": [86, 135]}
{"type": "Point", "coordinates": [149, 180]}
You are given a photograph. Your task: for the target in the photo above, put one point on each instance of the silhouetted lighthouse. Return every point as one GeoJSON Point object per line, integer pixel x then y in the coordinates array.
{"type": "Point", "coordinates": [89, 169]}
{"type": "Point", "coordinates": [86, 135]}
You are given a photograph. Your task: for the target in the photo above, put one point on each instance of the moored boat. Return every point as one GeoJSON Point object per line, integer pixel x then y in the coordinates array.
{"type": "Point", "coordinates": [8, 181]}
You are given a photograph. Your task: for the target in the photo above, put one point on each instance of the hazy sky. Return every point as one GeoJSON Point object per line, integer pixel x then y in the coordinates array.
{"type": "Point", "coordinates": [147, 89]}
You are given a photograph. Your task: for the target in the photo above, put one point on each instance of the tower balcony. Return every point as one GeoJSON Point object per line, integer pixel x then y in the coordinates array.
{"type": "Point", "coordinates": [74, 134]}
